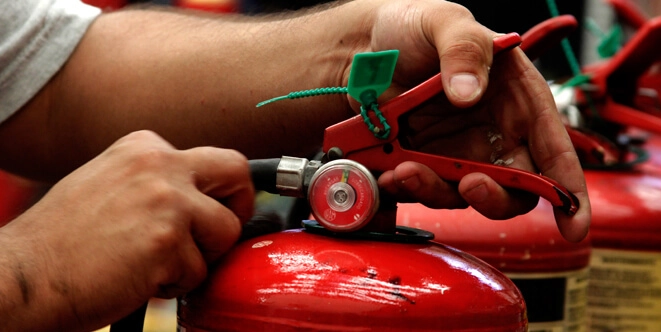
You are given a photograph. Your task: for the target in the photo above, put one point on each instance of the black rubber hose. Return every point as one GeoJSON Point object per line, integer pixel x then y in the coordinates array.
{"type": "Point", "coordinates": [264, 172]}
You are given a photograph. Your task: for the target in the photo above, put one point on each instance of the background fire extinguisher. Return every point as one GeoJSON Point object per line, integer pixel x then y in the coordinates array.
{"type": "Point", "coordinates": [624, 292]}
{"type": "Point", "coordinates": [551, 273]}
{"type": "Point", "coordinates": [625, 269]}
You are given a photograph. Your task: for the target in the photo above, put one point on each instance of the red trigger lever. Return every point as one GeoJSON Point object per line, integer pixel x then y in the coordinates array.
{"type": "Point", "coordinates": [351, 139]}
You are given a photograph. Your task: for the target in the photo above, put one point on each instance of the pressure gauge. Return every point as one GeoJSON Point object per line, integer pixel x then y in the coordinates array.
{"type": "Point", "coordinates": [343, 195]}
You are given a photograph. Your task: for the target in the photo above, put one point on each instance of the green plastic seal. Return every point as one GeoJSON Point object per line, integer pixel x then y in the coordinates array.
{"type": "Point", "coordinates": [371, 75]}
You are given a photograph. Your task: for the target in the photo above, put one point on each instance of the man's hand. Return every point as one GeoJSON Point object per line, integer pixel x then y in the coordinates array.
{"type": "Point", "coordinates": [141, 220]}
{"type": "Point", "coordinates": [498, 111]}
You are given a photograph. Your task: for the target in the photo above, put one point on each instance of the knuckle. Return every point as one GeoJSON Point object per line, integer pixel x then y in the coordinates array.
{"type": "Point", "coordinates": [458, 11]}
{"type": "Point", "coordinates": [238, 162]}
{"type": "Point", "coordinates": [465, 51]}
{"type": "Point", "coordinates": [142, 135]}
{"type": "Point", "coordinates": [137, 142]}
{"type": "Point", "coordinates": [453, 13]}
{"type": "Point", "coordinates": [137, 136]}
{"type": "Point", "coordinates": [161, 191]}
{"type": "Point", "coordinates": [167, 236]}
{"type": "Point", "coordinates": [233, 227]}
{"type": "Point", "coordinates": [150, 158]}
{"type": "Point", "coordinates": [164, 240]}
{"type": "Point", "coordinates": [225, 158]}
{"type": "Point", "coordinates": [238, 158]}
{"type": "Point", "coordinates": [168, 207]}
{"type": "Point", "coordinates": [181, 279]}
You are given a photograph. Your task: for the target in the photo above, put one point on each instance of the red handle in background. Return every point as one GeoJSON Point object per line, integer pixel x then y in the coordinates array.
{"type": "Point", "coordinates": [106, 5]}
{"type": "Point", "coordinates": [16, 195]}
{"type": "Point", "coordinates": [214, 6]}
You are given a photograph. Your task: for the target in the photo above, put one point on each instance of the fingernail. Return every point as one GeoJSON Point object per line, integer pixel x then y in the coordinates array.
{"type": "Point", "coordinates": [464, 86]}
{"type": "Point", "coordinates": [411, 184]}
{"type": "Point", "coordinates": [477, 194]}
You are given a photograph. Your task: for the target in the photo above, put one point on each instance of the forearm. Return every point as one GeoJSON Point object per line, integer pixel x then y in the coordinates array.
{"type": "Point", "coordinates": [193, 80]}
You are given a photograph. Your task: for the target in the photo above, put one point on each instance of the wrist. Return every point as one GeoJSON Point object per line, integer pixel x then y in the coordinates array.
{"type": "Point", "coordinates": [24, 298]}
{"type": "Point", "coordinates": [37, 292]}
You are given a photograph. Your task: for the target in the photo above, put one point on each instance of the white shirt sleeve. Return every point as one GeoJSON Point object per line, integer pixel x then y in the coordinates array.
{"type": "Point", "coordinates": [36, 39]}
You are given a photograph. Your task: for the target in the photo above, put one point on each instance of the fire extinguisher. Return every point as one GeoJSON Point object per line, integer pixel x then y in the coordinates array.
{"type": "Point", "coordinates": [624, 292]}
{"type": "Point", "coordinates": [625, 269]}
{"type": "Point", "coordinates": [298, 280]}
{"type": "Point", "coordinates": [349, 269]}
{"type": "Point", "coordinates": [625, 276]}
{"type": "Point", "coordinates": [550, 272]}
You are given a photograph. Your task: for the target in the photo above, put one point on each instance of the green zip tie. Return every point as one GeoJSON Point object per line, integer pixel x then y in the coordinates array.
{"type": "Point", "coordinates": [569, 52]}
{"type": "Point", "coordinates": [307, 93]}
{"type": "Point", "coordinates": [611, 43]}
{"type": "Point", "coordinates": [577, 81]}
{"type": "Point", "coordinates": [378, 132]}
{"type": "Point", "coordinates": [371, 74]}
{"type": "Point", "coordinates": [579, 77]}
{"type": "Point", "coordinates": [367, 96]}
{"type": "Point", "coordinates": [592, 26]}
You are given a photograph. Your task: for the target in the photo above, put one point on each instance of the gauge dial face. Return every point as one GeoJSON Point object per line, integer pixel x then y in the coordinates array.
{"type": "Point", "coordinates": [343, 195]}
